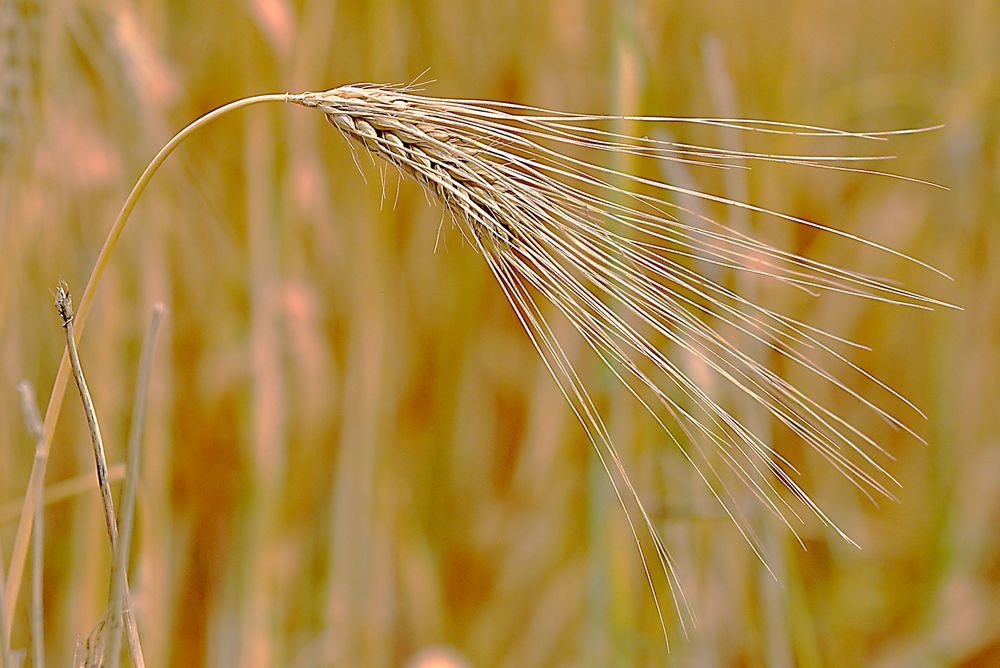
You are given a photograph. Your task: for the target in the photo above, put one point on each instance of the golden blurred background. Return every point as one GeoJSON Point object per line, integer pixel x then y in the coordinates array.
{"type": "Point", "coordinates": [353, 456]}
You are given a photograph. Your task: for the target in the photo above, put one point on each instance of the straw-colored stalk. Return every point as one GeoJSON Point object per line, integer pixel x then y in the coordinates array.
{"type": "Point", "coordinates": [61, 491]}
{"type": "Point", "coordinates": [617, 256]}
{"type": "Point", "coordinates": [64, 307]}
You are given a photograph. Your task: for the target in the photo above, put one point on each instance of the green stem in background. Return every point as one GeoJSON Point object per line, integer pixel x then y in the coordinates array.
{"type": "Point", "coordinates": [118, 600]}
{"type": "Point", "coordinates": [33, 420]}
{"type": "Point", "coordinates": [34, 492]}
{"type": "Point", "coordinates": [4, 634]}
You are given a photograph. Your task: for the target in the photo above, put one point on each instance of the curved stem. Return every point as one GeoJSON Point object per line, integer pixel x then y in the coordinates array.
{"type": "Point", "coordinates": [33, 495]}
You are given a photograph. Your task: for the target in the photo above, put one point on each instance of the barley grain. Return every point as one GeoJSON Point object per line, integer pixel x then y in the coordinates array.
{"type": "Point", "coordinates": [616, 261]}
{"type": "Point", "coordinates": [619, 257]}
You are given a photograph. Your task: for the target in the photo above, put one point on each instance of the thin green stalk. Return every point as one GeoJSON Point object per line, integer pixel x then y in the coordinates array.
{"type": "Point", "coordinates": [33, 420]}
{"type": "Point", "coordinates": [4, 633]}
{"type": "Point", "coordinates": [34, 492]}
{"type": "Point", "coordinates": [119, 579]}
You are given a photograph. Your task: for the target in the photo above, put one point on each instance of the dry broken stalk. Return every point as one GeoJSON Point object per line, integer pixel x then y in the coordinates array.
{"type": "Point", "coordinates": [64, 307]}
{"type": "Point", "coordinates": [617, 256]}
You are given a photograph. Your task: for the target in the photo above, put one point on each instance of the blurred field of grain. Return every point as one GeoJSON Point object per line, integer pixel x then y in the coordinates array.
{"type": "Point", "coordinates": [353, 454]}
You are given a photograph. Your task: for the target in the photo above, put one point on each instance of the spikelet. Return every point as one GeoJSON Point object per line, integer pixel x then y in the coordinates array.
{"type": "Point", "coordinates": [618, 257]}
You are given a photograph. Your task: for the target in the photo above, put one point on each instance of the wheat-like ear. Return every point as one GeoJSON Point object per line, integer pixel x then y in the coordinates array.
{"type": "Point", "coordinates": [623, 261]}
{"type": "Point", "coordinates": [617, 256]}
